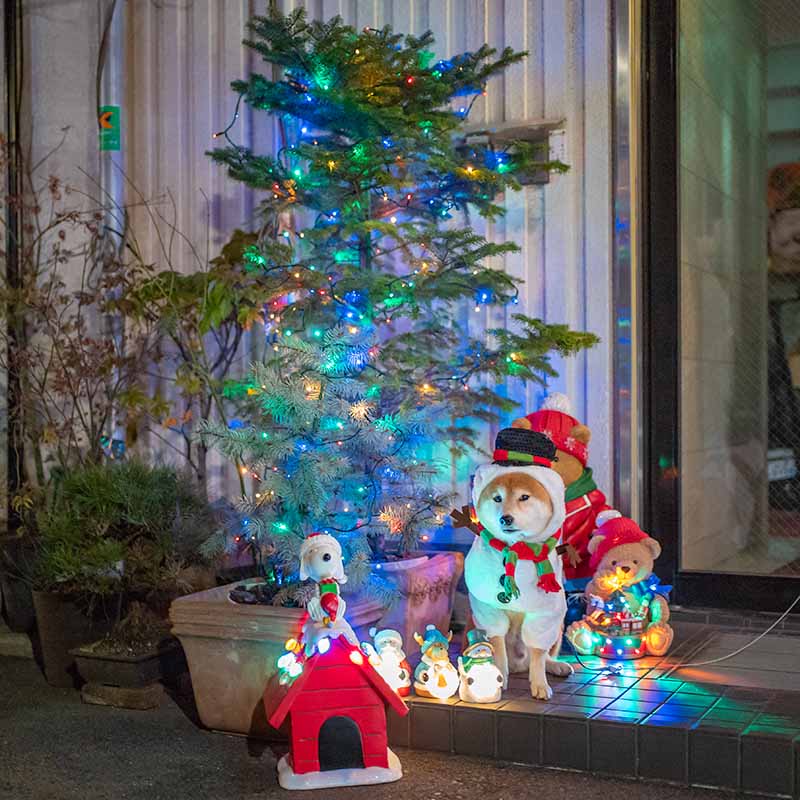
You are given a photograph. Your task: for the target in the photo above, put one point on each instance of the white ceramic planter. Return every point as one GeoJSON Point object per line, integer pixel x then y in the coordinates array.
{"type": "Point", "coordinates": [426, 588]}
{"type": "Point", "coordinates": [232, 650]}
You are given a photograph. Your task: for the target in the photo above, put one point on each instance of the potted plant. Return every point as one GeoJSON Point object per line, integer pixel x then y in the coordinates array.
{"type": "Point", "coordinates": [110, 535]}
{"type": "Point", "coordinates": [368, 382]}
{"type": "Point", "coordinates": [16, 557]}
{"type": "Point", "coordinates": [128, 666]}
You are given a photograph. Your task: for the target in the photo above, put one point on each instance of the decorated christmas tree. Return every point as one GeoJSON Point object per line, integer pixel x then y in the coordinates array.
{"type": "Point", "coordinates": [367, 260]}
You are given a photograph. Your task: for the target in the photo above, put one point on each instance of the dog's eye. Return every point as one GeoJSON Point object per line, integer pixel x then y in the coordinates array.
{"type": "Point", "coordinates": [613, 563]}
{"type": "Point", "coordinates": [326, 557]}
{"type": "Point", "coordinates": [635, 561]}
{"type": "Point", "coordinates": [524, 497]}
{"type": "Point", "coordinates": [497, 498]}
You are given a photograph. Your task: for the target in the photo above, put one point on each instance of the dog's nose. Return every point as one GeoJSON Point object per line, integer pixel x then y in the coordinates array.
{"type": "Point", "coordinates": [506, 519]}
{"type": "Point", "coordinates": [625, 569]}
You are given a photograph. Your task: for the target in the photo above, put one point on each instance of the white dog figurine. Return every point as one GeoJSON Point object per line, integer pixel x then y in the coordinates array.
{"type": "Point", "coordinates": [321, 560]}
{"type": "Point", "coordinates": [513, 572]}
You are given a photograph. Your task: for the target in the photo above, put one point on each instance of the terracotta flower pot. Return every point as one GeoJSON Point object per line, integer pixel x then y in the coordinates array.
{"type": "Point", "coordinates": [232, 650]}
{"type": "Point", "coordinates": [427, 589]}
{"type": "Point", "coordinates": [63, 626]}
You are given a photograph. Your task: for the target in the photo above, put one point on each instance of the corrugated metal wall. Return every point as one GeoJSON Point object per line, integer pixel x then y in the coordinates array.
{"type": "Point", "coordinates": [182, 56]}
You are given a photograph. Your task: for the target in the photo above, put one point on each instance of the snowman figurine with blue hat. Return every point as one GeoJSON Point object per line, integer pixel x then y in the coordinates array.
{"type": "Point", "coordinates": [435, 676]}
{"type": "Point", "coordinates": [481, 680]}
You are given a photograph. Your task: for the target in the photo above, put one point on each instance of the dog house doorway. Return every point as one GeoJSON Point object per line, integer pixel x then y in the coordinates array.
{"type": "Point", "coordinates": [340, 745]}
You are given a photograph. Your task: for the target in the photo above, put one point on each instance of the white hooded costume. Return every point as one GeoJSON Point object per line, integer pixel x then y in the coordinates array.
{"type": "Point", "coordinates": [544, 611]}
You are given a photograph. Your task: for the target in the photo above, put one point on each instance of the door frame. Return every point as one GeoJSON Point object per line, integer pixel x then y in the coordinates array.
{"type": "Point", "coordinates": [661, 326]}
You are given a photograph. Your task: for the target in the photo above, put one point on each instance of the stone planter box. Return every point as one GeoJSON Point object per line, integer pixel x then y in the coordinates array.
{"type": "Point", "coordinates": [232, 650]}
{"type": "Point", "coordinates": [129, 671]}
{"type": "Point", "coordinates": [426, 593]}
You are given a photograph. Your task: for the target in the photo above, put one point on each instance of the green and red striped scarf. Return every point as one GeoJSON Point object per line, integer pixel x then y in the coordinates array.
{"type": "Point", "coordinates": [538, 553]}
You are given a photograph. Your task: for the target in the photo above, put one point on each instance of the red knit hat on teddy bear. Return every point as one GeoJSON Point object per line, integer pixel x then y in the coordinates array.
{"type": "Point", "coordinates": [613, 533]}
{"type": "Point", "coordinates": [556, 422]}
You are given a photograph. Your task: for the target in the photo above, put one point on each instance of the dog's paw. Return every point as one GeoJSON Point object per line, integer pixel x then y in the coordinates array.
{"type": "Point", "coordinates": [541, 691]}
{"type": "Point", "coordinates": [559, 668]}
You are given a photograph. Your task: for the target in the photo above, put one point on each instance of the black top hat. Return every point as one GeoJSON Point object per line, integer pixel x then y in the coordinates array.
{"type": "Point", "coordinates": [522, 447]}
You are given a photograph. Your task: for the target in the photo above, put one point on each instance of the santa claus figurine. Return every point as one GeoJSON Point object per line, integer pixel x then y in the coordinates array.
{"type": "Point", "coordinates": [587, 508]}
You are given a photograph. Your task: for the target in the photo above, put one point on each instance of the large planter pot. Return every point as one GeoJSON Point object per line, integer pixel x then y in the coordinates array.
{"type": "Point", "coordinates": [426, 593]}
{"type": "Point", "coordinates": [232, 651]}
{"type": "Point", "coordinates": [63, 626]}
{"type": "Point", "coordinates": [16, 599]}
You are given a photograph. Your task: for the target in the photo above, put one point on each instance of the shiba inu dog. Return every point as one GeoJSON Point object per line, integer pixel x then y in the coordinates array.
{"type": "Point", "coordinates": [513, 572]}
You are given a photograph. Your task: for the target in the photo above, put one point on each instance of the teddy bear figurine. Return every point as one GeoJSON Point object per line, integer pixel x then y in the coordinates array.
{"type": "Point", "coordinates": [586, 505]}
{"type": "Point", "coordinates": [627, 610]}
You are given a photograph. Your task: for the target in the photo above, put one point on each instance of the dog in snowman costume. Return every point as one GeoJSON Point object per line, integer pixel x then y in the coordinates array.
{"type": "Point", "coordinates": [513, 571]}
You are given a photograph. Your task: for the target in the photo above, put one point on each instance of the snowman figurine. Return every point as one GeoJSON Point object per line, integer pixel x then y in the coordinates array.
{"type": "Point", "coordinates": [481, 680]}
{"type": "Point", "coordinates": [321, 560]}
{"type": "Point", "coordinates": [435, 676]}
{"type": "Point", "coordinates": [393, 667]}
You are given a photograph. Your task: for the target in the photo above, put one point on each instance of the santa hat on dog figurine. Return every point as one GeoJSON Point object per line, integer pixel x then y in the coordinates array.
{"type": "Point", "coordinates": [321, 560]}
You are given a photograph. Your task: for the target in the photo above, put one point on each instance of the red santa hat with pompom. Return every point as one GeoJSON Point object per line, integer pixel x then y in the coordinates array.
{"type": "Point", "coordinates": [554, 419]}
{"type": "Point", "coordinates": [612, 531]}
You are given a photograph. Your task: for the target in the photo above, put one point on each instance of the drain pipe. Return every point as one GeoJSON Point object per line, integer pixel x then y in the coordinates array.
{"type": "Point", "coordinates": [110, 93]}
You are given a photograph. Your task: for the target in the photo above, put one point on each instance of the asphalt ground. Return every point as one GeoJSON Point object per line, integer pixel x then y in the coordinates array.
{"type": "Point", "coordinates": [54, 747]}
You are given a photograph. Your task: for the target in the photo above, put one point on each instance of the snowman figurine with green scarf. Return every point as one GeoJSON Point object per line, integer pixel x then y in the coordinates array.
{"type": "Point", "coordinates": [481, 680]}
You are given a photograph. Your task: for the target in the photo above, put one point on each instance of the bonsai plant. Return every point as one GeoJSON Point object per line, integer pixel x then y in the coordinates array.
{"type": "Point", "coordinates": [367, 257]}
{"type": "Point", "coordinates": [114, 539]}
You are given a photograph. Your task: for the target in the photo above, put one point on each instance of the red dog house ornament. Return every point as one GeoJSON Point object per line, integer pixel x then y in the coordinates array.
{"type": "Point", "coordinates": [337, 713]}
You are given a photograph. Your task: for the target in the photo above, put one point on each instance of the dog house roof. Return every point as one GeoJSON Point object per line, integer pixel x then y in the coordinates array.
{"type": "Point", "coordinates": [339, 655]}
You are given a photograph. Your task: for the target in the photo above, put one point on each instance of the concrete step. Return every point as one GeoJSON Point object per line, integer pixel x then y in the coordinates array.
{"type": "Point", "coordinates": [17, 645]}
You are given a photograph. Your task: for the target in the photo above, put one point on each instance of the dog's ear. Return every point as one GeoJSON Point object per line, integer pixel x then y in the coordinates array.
{"type": "Point", "coordinates": [581, 433]}
{"type": "Point", "coordinates": [653, 546]}
{"type": "Point", "coordinates": [522, 422]}
{"type": "Point", "coordinates": [418, 639]}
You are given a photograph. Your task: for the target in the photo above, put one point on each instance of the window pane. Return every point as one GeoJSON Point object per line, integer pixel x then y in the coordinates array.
{"type": "Point", "coordinates": [739, 100]}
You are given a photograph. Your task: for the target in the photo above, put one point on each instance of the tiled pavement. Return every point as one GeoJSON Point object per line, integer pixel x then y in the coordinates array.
{"type": "Point", "coordinates": [651, 722]}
